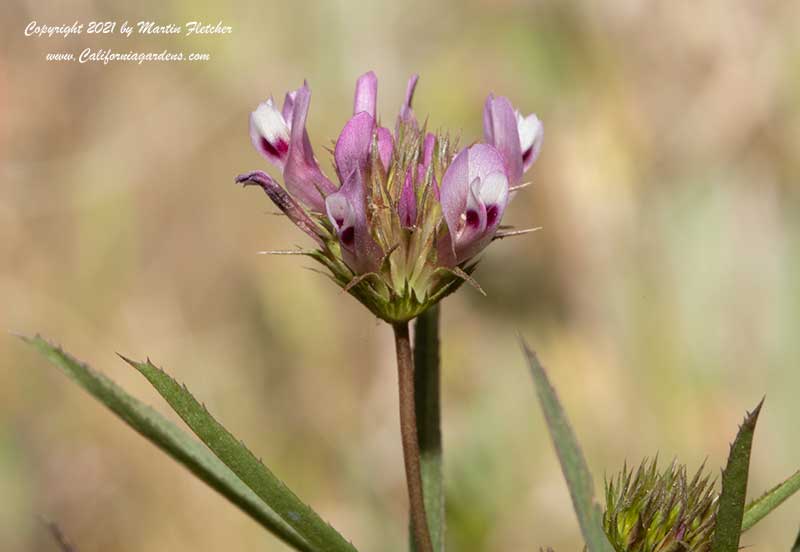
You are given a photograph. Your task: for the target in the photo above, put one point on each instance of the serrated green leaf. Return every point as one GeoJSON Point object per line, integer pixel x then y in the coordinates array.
{"type": "Point", "coordinates": [253, 473]}
{"type": "Point", "coordinates": [728, 528]}
{"type": "Point", "coordinates": [576, 472]}
{"type": "Point", "coordinates": [761, 507]}
{"type": "Point", "coordinates": [172, 440]}
{"type": "Point", "coordinates": [428, 413]}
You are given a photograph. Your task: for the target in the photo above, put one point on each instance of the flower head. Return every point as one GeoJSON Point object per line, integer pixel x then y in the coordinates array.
{"type": "Point", "coordinates": [410, 213]}
{"type": "Point", "coordinates": [652, 511]}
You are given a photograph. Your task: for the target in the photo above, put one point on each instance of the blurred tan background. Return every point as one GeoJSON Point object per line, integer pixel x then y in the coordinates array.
{"type": "Point", "coordinates": [663, 292]}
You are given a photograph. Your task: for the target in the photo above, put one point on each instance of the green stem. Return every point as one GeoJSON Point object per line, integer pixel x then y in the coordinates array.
{"type": "Point", "coordinates": [408, 432]}
{"type": "Point", "coordinates": [759, 508]}
{"type": "Point", "coordinates": [427, 393]}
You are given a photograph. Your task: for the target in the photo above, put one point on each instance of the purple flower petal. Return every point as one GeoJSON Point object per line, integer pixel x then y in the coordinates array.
{"type": "Point", "coordinates": [531, 134]}
{"type": "Point", "coordinates": [493, 194]}
{"type": "Point", "coordinates": [283, 200]}
{"type": "Point", "coordinates": [473, 220]}
{"type": "Point", "coordinates": [385, 147]}
{"type": "Point", "coordinates": [302, 175]}
{"type": "Point", "coordinates": [500, 131]}
{"type": "Point", "coordinates": [366, 94]}
{"type": "Point", "coordinates": [484, 160]}
{"type": "Point", "coordinates": [454, 191]}
{"type": "Point", "coordinates": [474, 195]}
{"type": "Point", "coordinates": [406, 113]}
{"type": "Point", "coordinates": [407, 207]}
{"type": "Point", "coordinates": [354, 145]}
{"type": "Point", "coordinates": [288, 107]}
{"type": "Point", "coordinates": [269, 133]}
{"type": "Point", "coordinates": [346, 211]}
{"type": "Point", "coordinates": [427, 149]}
{"type": "Point", "coordinates": [342, 216]}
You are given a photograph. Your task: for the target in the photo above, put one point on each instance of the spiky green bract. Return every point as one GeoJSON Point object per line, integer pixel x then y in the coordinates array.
{"type": "Point", "coordinates": [652, 511]}
{"type": "Point", "coordinates": [734, 486]}
{"type": "Point", "coordinates": [412, 274]}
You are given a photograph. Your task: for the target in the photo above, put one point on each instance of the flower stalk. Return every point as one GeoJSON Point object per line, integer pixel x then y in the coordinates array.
{"type": "Point", "coordinates": [427, 395]}
{"type": "Point", "coordinates": [410, 438]}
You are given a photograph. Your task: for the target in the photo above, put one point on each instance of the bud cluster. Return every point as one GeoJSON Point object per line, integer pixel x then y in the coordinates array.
{"type": "Point", "coordinates": [652, 511]}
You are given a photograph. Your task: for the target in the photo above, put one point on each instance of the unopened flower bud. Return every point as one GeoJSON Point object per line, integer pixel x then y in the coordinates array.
{"type": "Point", "coordinates": [652, 511]}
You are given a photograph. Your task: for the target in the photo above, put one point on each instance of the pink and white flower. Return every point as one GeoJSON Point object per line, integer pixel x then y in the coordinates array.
{"type": "Point", "coordinates": [389, 233]}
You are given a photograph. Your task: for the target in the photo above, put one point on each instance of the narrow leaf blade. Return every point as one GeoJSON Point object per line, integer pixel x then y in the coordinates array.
{"type": "Point", "coordinates": [428, 413]}
{"type": "Point", "coordinates": [761, 507]}
{"type": "Point", "coordinates": [169, 438]}
{"type": "Point", "coordinates": [58, 536]}
{"type": "Point", "coordinates": [734, 487]}
{"type": "Point", "coordinates": [573, 464]}
{"type": "Point", "coordinates": [796, 547]}
{"type": "Point", "coordinates": [253, 473]}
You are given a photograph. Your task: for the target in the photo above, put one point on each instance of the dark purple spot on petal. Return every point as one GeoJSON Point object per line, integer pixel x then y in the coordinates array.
{"type": "Point", "coordinates": [407, 221]}
{"type": "Point", "coordinates": [347, 237]}
{"type": "Point", "coordinates": [473, 219]}
{"type": "Point", "coordinates": [492, 212]}
{"type": "Point", "coordinates": [526, 155]}
{"type": "Point", "coordinates": [279, 149]}
{"type": "Point", "coordinates": [339, 222]}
